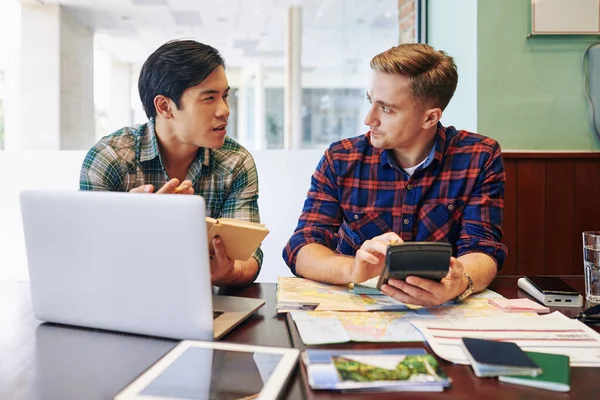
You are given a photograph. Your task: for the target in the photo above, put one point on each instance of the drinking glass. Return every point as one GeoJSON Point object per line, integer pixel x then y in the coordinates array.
{"type": "Point", "coordinates": [591, 265]}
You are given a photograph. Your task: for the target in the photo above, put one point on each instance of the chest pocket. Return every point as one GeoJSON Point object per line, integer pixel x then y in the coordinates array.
{"type": "Point", "coordinates": [370, 224]}
{"type": "Point", "coordinates": [439, 222]}
{"type": "Point", "coordinates": [358, 227]}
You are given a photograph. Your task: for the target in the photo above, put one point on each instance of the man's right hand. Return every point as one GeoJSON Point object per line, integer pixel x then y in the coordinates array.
{"type": "Point", "coordinates": [171, 186]}
{"type": "Point", "coordinates": [369, 259]}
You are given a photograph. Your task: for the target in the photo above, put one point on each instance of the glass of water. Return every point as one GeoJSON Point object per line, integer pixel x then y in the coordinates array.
{"type": "Point", "coordinates": [591, 265]}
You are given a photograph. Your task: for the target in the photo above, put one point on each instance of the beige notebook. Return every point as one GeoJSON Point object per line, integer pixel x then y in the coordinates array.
{"type": "Point", "coordinates": [241, 238]}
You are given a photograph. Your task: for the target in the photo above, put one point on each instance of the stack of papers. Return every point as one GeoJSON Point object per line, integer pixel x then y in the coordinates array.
{"type": "Point", "coordinates": [391, 369]}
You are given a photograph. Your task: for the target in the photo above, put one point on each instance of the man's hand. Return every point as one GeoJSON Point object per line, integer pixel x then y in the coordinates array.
{"type": "Point", "coordinates": [369, 259]}
{"type": "Point", "coordinates": [425, 292]}
{"type": "Point", "coordinates": [171, 186]}
{"type": "Point", "coordinates": [222, 268]}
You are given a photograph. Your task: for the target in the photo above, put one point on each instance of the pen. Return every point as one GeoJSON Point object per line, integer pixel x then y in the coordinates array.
{"type": "Point", "coordinates": [252, 396]}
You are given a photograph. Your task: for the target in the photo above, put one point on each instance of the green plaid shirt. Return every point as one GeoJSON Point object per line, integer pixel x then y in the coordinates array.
{"type": "Point", "coordinates": [129, 158]}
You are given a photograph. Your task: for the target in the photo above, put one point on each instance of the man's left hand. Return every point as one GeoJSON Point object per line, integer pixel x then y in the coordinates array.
{"type": "Point", "coordinates": [425, 292]}
{"type": "Point", "coordinates": [222, 268]}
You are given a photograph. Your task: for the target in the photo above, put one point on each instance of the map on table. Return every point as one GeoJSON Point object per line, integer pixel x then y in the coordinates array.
{"type": "Point", "coordinates": [328, 313]}
{"type": "Point", "coordinates": [303, 294]}
{"type": "Point", "coordinates": [320, 327]}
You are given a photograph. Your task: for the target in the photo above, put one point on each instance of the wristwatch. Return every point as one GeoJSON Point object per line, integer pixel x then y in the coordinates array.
{"type": "Point", "coordinates": [467, 291]}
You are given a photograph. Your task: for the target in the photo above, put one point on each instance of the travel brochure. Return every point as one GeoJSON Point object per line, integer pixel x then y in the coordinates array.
{"type": "Point", "coordinates": [406, 369]}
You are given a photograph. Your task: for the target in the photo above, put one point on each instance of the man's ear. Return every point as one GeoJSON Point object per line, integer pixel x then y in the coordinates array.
{"type": "Point", "coordinates": [162, 105]}
{"type": "Point", "coordinates": [432, 117]}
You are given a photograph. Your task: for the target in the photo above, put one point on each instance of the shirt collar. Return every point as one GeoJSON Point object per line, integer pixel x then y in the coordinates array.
{"type": "Point", "coordinates": [439, 147]}
{"type": "Point", "coordinates": [436, 153]}
{"type": "Point", "coordinates": [149, 147]}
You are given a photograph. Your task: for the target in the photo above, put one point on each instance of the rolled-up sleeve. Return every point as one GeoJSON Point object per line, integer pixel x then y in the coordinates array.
{"type": "Point", "coordinates": [321, 215]}
{"type": "Point", "coordinates": [481, 229]}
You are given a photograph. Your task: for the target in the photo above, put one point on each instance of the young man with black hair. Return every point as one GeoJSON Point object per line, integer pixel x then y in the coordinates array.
{"type": "Point", "coordinates": [183, 148]}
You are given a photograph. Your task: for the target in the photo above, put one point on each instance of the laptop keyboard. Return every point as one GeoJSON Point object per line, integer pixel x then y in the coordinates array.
{"type": "Point", "coordinates": [216, 313]}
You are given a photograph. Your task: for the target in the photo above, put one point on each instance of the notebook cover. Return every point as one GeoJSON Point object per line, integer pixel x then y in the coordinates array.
{"type": "Point", "coordinates": [556, 375]}
{"type": "Point", "coordinates": [500, 354]}
{"type": "Point", "coordinates": [241, 239]}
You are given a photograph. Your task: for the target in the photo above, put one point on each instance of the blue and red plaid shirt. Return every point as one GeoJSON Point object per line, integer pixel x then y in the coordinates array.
{"type": "Point", "coordinates": [359, 192]}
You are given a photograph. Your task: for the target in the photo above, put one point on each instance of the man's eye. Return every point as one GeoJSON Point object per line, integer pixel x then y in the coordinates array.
{"type": "Point", "coordinates": [385, 109]}
{"type": "Point", "coordinates": [209, 98]}
{"type": "Point", "coordinates": [226, 96]}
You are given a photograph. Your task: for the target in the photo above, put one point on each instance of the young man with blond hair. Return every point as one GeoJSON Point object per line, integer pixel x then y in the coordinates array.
{"type": "Point", "coordinates": [408, 179]}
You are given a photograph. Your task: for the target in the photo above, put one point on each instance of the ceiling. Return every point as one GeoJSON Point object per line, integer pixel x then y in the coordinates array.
{"type": "Point", "coordinates": [336, 33]}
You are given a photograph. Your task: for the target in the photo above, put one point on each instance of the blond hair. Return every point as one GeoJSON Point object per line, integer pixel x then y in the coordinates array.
{"type": "Point", "coordinates": [432, 73]}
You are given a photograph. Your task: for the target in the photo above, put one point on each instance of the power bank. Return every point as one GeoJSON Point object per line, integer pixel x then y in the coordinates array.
{"type": "Point", "coordinates": [552, 300]}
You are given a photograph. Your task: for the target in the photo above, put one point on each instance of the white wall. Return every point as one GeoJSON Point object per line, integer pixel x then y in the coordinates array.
{"type": "Point", "coordinates": [452, 27]}
{"type": "Point", "coordinates": [284, 178]}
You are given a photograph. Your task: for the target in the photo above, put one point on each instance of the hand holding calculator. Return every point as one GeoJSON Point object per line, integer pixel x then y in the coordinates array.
{"type": "Point", "coordinates": [430, 260]}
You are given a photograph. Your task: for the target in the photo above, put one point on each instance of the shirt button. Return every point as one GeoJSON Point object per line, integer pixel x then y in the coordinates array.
{"type": "Point", "coordinates": [450, 207]}
{"type": "Point", "coordinates": [406, 221]}
{"type": "Point", "coordinates": [356, 217]}
{"type": "Point", "coordinates": [409, 186]}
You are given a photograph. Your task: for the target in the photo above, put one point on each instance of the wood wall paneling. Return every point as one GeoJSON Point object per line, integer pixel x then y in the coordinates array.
{"type": "Point", "coordinates": [586, 215]}
{"type": "Point", "coordinates": [559, 217]}
{"type": "Point", "coordinates": [550, 198]}
{"type": "Point", "coordinates": [531, 216]}
{"type": "Point", "coordinates": [509, 225]}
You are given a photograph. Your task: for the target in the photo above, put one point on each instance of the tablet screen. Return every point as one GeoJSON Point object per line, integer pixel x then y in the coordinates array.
{"type": "Point", "coordinates": [204, 373]}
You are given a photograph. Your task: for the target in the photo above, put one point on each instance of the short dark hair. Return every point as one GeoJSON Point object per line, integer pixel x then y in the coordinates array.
{"type": "Point", "coordinates": [174, 67]}
{"type": "Point", "coordinates": [432, 73]}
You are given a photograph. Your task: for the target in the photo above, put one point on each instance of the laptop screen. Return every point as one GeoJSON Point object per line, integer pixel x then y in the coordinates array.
{"type": "Point", "coordinates": [200, 373]}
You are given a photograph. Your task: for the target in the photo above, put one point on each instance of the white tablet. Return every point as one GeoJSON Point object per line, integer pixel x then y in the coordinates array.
{"type": "Point", "coordinates": [214, 370]}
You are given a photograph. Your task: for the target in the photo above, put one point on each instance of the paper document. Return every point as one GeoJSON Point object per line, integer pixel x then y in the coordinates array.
{"type": "Point", "coordinates": [553, 333]}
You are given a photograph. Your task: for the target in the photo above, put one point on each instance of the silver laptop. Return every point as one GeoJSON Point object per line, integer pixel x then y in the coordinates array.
{"type": "Point", "coordinates": [126, 262]}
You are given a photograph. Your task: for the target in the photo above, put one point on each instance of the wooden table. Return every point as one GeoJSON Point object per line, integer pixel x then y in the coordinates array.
{"type": "Point", "coordinates": [585, 382]}
{"type": "Point", "coordinates": [46, 361]}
